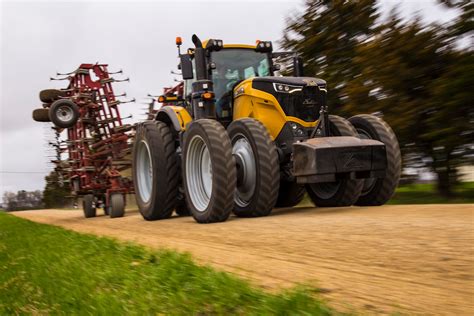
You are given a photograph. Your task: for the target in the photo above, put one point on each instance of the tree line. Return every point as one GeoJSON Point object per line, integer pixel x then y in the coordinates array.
{"type": "Point", "coordinates": [420, 76]}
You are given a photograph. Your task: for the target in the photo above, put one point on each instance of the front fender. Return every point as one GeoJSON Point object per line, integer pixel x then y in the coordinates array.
{"type": "Point", "coordinates": [176, 117]}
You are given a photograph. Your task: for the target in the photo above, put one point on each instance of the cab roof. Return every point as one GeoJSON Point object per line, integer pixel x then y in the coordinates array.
{"type": "Point", "coordinates": [244, 46]}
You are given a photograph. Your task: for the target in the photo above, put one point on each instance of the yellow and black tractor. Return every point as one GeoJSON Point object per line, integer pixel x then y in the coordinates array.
{"type": "Point", "coordinates": [242, 139]}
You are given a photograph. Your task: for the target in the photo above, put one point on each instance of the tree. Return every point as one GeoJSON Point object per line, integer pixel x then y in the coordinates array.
{"type": "Point", "coordinates": [414, 74]}
{"type": "Point", "coordinates": [55, 195]}
{"type": "Point", "coordinates": [22, 200]}
{"type": "Point", "coordinates": [326, 35]}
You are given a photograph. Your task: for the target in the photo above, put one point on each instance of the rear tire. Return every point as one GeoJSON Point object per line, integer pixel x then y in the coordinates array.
{"type": "Point", "coordinates": [155, 170]}
{"type": "Point", "coordinates": [117, 205]}
{"type": "Point", "coordinates": [291, 194]}
{"type": "Point", "coordinates": [342, 192]}
{"type": "Point", "coordinates": [209, 173]}
{"type": "Point", "coordinates": [88, 206]}
{"type": "Point", "coordinates": [257, 163]}
{"type": "Point", "coordinates": [64, 113]}
{"type": "Point", "coordinates": [379, 191]}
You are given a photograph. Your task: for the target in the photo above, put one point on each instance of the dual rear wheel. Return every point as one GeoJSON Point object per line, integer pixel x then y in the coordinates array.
{"type": "Point", "coordinates": [222, 171]}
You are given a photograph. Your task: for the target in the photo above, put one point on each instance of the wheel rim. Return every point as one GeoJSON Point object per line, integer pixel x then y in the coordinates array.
{"type": "Point", "coordinates": [144, 172]}
{"type": "Point", "coordinates": [64, 113]}
{"type": "Point", "coordinates": [369, 182]}
{"type": "Point", "coordinates": [199, 173]}
{"type": "Point", "coordinates": [326, 190]}
{"type": "Point", "coordinates": [247, 169]}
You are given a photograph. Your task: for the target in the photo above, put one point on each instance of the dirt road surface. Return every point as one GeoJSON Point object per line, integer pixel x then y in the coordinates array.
{"type": "Point", "coordinates": [409, 259]}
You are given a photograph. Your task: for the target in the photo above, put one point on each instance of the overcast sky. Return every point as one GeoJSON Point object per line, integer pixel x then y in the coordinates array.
{"type": "Point", "coordinates": [37, 39]}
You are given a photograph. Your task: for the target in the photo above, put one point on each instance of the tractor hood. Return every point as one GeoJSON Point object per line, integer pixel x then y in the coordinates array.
{"type": "Point", "coordinates": [292, 81]}
{"type": "Point", "coordinates": [300, 97]}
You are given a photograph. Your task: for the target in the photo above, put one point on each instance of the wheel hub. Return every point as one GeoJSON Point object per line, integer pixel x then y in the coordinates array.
{"type": "Point", "coordinates": [64, 113]}
{"type": "Point", "coordinates": [199, 173]}
{"type": "Point", "coordinates": [246, 170]}
{"type": "Point", "coordinates": [144, 172]}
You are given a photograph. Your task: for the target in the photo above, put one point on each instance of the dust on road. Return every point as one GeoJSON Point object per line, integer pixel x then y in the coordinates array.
{"type": "Point", "coordinates": [409, 258]}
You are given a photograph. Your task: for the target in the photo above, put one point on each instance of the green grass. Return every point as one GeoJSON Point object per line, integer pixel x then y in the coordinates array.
{"type": "Point", "coordinates": [427, 194]}
{"type": "Point", "coordinates": [49, 270]}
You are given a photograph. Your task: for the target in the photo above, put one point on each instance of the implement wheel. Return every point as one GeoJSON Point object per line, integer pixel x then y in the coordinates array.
{"type": "Point", "coordinates": [64, 113]}
{"type": "Point", "coordinates": [117, 205]}
{"type": "Point", "coordinates": [291, 194]}
{"type": "Point", "coordinates": [41, 115]}
{"type": "Point", "coordinates": [209, 174]}
{"type": "Point", "coordinates": [155, 170]}
{"type": "Point", "coordinates": [343, 192]}
{"type": "Point", "coordinates": [258, 169]}
{"type": "Point", "coordinates": [379, 191]}
{"type": "Point", "coordinates": [51, 95]}
{"type": "Point", "coordinates": [88, 206]}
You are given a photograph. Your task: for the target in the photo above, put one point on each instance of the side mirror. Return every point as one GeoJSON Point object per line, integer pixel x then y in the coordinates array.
{"type": "Point", "coordinates": [186, 67]}
{"type": "Point", "coordinates": [276, 67]}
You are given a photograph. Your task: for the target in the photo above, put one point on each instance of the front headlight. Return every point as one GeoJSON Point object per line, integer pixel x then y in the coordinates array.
{"type": "Point", "coordinates": [285, 88]}
{"type": "Point", "coordinates": [297, 129]}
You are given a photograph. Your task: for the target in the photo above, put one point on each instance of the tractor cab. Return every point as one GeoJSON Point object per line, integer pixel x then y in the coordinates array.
{"type": "Point", "coordinates": [226, 66]}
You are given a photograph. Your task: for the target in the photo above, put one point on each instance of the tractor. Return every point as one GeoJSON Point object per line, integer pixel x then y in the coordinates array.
{"type": "Point", "coordinates": [241, 138]}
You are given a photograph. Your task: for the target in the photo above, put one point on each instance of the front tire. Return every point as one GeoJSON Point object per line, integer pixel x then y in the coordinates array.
{"type": "Point", "coordinates": [209, 174]}
{"type": "Point", "coordinates": [343, 192]}
{"type": "Point", "coordinates": [155, 170]}
{"type": "Point", "coordinates": [379, 191]}
{"type": "Point", "coordinates": [258, 169]}
{"type": "Point", "coordinates": [291, 194]}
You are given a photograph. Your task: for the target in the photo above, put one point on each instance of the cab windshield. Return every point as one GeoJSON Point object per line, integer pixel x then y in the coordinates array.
{"type": "Point", "coordinates": [232, 66]}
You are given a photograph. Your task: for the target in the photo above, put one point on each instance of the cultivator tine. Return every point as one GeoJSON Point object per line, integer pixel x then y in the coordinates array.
{"type": "Point", "coordinates": [129, 101]}
{"type": "Point", "coordinates": [65, 78]}
{"type": "Point", "coordinates": [122, 80]}
{"type": "Point", "coordinates": [117, 102]}
{"type": "Point", "coordinates": [116, 72]}
{"type": "Point", "coordinates": [67, 73]}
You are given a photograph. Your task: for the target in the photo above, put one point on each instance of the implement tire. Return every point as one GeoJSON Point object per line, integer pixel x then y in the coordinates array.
{"type": "Point", "coordinates": [379, 191]}
{"type": "Point", "coordinates": [155, 170]}
{"type": "Point", "coordinates": [64, 113]}
{"type": "Point", "coordinates": [209, 173]}
{"type": "Point", "coordinates": [41, 115]}
{"type": "Point", "coordinates": [291, 194]}
{"type": "Point", "coordinates": [258, 169]}
{"type": "Point", "coordinates": [343, 192]}
{"type": "Point", "coordinates": [51, 95]}
{"type": "Point", "coordinates": [117, 205]}
{"type": "Point", "coordinates": [88, 206]}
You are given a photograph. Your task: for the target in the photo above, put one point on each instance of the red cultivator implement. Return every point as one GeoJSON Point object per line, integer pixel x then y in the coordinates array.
{"type": "Point", "coordinates": [98, 143]}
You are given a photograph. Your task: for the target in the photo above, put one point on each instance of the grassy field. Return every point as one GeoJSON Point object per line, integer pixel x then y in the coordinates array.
{"type": "Point", "coordinates": [49, 270]}
{"type": "Point", "coordinates": [426, 194]}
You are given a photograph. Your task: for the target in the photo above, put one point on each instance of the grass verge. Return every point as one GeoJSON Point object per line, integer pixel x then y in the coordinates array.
{"type": "Point", "coordinates": [427, 194]}
{"type": "Point", "coordinates": [50, 270]}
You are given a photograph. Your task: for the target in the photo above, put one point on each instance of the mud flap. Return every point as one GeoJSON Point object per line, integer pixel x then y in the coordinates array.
{"type": "Point", "coordinates": [327, 159]}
